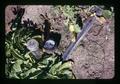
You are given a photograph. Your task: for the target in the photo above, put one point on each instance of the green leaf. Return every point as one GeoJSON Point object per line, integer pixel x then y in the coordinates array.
{"type": "Point", "coordinates": [17, 66]}
{"type": "Point", "coordinates": [7, 69]}
{"type": "Point", "coordinates": [26, 62]}
{"type": "Point", "coordinates": [67, 74]}
{"type": "Point", "coordinates": [29, 55]}
{"type": "Point", "coordinates": [16, 54]}
{"type": "Point", "coordinates": [25, 74]}
{"type": "Point", "coordinates": [52, 60]}
{"type": "Point", "coordinates": [54, 68]}
{"type": "Point", "coordinates": [13, 75]}
{"type": "Point", "coordinates": [45, 61]}
{"type": "Point", "coordinates": [42, 66]}
{"type": "Point", "coordinates": [49, 59]}
{"type": "Point", "coordinates": [37, 36]}
{"type": "Point", "coordinates": [7, 49]}
{"type": "Point", "coordinates": [77, 28]}
{"type": "Point", "coordinates": [65, 65]}
{"type": "Point", "coordinates": [107, 14]}
{"type": "Point", "coordinates": [50, 76]}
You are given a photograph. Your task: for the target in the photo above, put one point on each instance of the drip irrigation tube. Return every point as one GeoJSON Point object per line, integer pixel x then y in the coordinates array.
{"type": "Point", "coordinates": [86, 27]}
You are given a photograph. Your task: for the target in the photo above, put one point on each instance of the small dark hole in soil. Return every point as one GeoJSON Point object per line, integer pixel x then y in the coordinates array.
{"type": "Point", "coordinates": [55, 37]}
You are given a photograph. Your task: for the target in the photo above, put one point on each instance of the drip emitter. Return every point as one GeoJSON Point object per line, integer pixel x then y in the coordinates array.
{"type": "Point", "coordinates": [49, 44]}
{"type": "Point", "coordinates": [33, 46]}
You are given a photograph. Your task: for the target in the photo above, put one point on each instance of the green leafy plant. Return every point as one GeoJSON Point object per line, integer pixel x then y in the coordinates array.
{"type": "Point", "coordinates": [71, 21]}
{"type": "Point", "coordinates": [69, 12]}
{"type": "Point", "coordinates": [107, 14]}
{"type": "Point", "coordinates": [20, 63]}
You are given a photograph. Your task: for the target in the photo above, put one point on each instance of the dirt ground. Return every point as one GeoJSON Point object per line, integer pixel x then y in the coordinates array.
{"type": "Point", "coordinates": [93, 58]}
